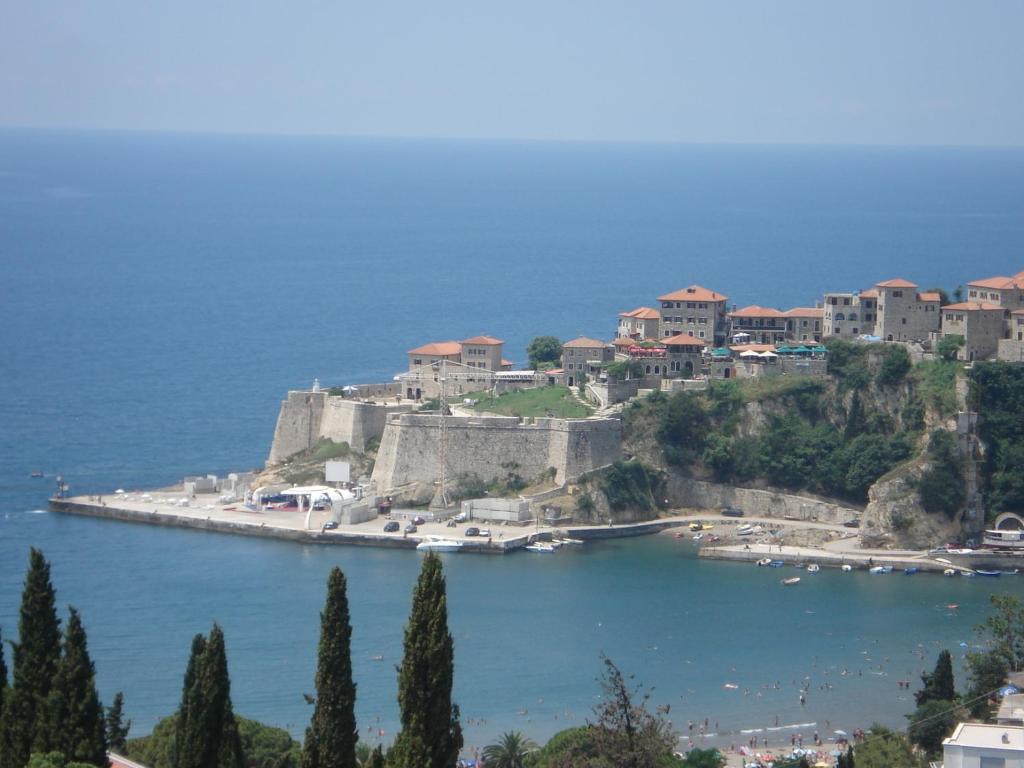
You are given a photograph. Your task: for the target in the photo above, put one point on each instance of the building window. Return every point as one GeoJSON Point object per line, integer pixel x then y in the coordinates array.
{"type": "Point", "coordinates": [846, 302]}
{"type": "Point", "coordinates": [903, 321]}
{"type": "Point", "coordinates": [691, 305]}
{"type": "Point", "coordinates": [897, 294]}
{"type": "Point", "coordinates": [417, 362]}
{"type": "Point", "coordinates": [701, 334]}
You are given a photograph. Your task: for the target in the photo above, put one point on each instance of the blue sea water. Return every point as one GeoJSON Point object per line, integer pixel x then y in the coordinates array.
{"type": "Point", "coordinates": [160, 293]}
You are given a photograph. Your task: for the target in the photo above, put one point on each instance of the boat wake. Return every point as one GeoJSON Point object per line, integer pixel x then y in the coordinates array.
{"type": "Point", "coordinates": [37, 511]}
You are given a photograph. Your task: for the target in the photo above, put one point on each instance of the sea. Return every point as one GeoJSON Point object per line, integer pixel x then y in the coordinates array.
{"type": "Point", "coordinates": [161, 293]}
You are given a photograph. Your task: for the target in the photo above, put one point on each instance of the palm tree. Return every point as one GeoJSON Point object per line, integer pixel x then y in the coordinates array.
{"type": "Point", "coordinates": [509, 752]}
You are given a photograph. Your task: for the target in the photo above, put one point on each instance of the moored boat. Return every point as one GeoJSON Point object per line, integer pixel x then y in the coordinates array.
{"type": "Point", "coordinates": [992, 574]}
{"type": "Point", "coordinates": [776, 563]}
{"type": "Point", "coordinates": [949, 572]}
{"type": "Point", "coordinates": [813, 568]}
{"type": "Point", "coordinates": [764, 561]}
{"type": "Point", "coordinates": [791, 582]}
{"type": "Point", "coordinates": [880, 569]}
{"type": "Point", "coordinates": [911, 570]}
{"type": "Point", "coordinates": [436, 544]}
{"type": "Point", "coordinates": [847, 568]}
{"type": "Point", "coordinates": [539, 548]}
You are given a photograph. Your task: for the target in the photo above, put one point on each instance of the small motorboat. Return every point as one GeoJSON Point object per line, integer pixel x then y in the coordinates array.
{"type": "Point", "coordinates": [571, 542]}
{"type": "Point", "coordinates": [540, 548]}
{"type": "Point", "coordinates": [791, 582]}
{"type": "Point", "coordinates": [745, 530]}
{"type": "Point", "coordinates": [437, 544]}
{"type": "Point", "coordinates": [911, 570]}
{"type": "Point", "coordinates": [953, 606]}
{"type": "Point", "coordinates": [37, 473]}
{"type": "Point", "coordinates": [698, 536]}
{"type": "Point", "coordinates": [880, 569]}
{"type": "Point", "coordinates": [992, 574]}
{"type": "Point", "coordinates": [764, 561]}
{"type": "Point", "coordinates": [776, 563]}
{"type": "Point", "coordinates": [847, 568]}
{"type": "Point", "coordinates": [697, 526]}
{"type": "Point", "coordinates": [949, 572]}
{"type": "Point", "coordinates": [813, 568]}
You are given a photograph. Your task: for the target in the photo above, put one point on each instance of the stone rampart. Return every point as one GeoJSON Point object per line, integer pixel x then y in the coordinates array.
{"type": "Point", "coordinates": [306, 417]}
{"type": "Point", "coordinates": [492, 447]}
{"type": "Point", "coordinates": [757, 502]}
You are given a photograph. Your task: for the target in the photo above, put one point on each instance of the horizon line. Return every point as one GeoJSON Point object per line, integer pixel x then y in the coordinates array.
{"type": "Point", "coordinates": [260, 134]}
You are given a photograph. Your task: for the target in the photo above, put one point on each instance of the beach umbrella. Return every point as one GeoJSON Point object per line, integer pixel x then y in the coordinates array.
{"type": "Point", "coordinates": [749, 353]}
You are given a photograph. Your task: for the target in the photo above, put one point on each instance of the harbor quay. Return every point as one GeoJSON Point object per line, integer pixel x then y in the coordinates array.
{"type": "Point", "coordinates": [167, 508]}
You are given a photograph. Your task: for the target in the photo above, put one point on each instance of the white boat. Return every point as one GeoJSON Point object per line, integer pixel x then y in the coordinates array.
{"type": "Point", "coordinates": [539, 547]}
{"type": "Point", "coordinates": [698, 536]}
{"type": "Point", "coordinates": [572, 542]}
{"type": "Point", "coordinates": [764, 561]}
{"type": "Point", "coordinates": [847, 567]}
{"type": "Point", "coordinates": [949, 572]}
{"type": "Point", "coordinates": [438, 544]}
{"type": "Point", "coordinates": [745, 530]}
{"type": "Point", "coordinates": [879, 569]}
{"type": "Point", "coordinates": [791, 582]}
{"type": "Point", "coordinates": [813, 568]}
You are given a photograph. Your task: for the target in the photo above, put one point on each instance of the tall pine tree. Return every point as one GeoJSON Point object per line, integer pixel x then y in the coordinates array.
{"type": "Point", "coordinates": [431, 736]}
{"type": "Point", "coordinates": [36, 657]}
{"type": "Point", "coordinates": [117, 726]}
{"type": "Point", "coordinates": [207, 732]}
{"type": "Point", "coordinates": [938, 686]}
{"type": "Point", "coordinates": [74, 715]}
{"type": "Point", "coordinates": [3, 677]}
{"type": "Point", "coordinates": [331, 737]}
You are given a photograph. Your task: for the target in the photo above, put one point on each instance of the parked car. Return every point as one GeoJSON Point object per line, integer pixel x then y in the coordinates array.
{"type": "Point", "coordinates": [852, 524]}
{"type": "Point", "coordinates": [472, 531]}
{"type": "Point", "coordinates": [411, 528]}
{"type": "Point", "coordinates": [418, 521]}
{"type": "Point", "coordinates": [461, 517]}
{"type": "Point", "coordinates": [391, 527]}
{"type": "Point", "coordinates": [732, 512]}
{"type": "Point", "coordinates": [330, 525]}
{"type": "Point", "coordinates": [485, 532]}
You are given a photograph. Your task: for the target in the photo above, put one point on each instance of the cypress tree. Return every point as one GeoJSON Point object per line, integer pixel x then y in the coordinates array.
{"type": "Point", "coordinates": [431, 736]}
{"type": "Point", "coordinates": [207, 732]}
{"type": "Point", "coordinates": [74, 712]}
{"type": "Point", "coordinates": [117, 728]}
{"type": "Point", "coordinates": [938, 686]}
{"type": "Point", "coordinates": [331, 737]}
{"type": "Point", "coordinates": [3, 677]}
{"type": "Point", "coordinates": [36, 655]}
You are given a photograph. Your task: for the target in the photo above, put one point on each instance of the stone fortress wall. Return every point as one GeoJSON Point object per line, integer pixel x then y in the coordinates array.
{"type": "Point", "coordinates": [306, 417]}
{"type": "Point", "coordinates": [492, 446]}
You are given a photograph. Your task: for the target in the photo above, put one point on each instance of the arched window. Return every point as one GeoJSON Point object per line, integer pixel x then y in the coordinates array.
{"type": "Point", "coordinates": [840, 316]}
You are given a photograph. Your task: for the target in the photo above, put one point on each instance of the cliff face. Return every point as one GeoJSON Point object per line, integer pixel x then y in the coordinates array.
{"type": "Point", "coordinates": [895, 516]}
{"type": "Point", "coordinates": [850, 444]}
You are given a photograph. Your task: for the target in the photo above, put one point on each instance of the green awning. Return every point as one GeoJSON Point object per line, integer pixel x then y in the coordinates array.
{"type": "Point", "coordinates": [721, 352]}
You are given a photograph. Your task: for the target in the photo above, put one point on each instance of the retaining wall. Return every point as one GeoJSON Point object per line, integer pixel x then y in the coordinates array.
{"type": "Point", "coordinates": [757, 502]}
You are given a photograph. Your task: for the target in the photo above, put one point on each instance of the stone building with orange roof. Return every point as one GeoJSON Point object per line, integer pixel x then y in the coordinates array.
{"type": "Point", "coordinates": [979, 323]}
{"type": "Point", "coordinates": [1007, 292]}
{"type": "Point", "coordinates": [804, 323]}
{"type": "Point", "coordinates": [904, 314]}
{"type": "Point", "coordinates": [695, 311]}
{"type": "Point", "coordinates": [584, 357]}
{"type": "Point", "coordinates": [483, 352]}
{"type": "Point", "coordinates": [640, 323]}
{"type": "Point", "coordinates": [759, 325]}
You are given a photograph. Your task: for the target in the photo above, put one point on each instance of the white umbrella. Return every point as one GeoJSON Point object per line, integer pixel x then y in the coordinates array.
{"type": "Point", "coordinates": [749, 353]}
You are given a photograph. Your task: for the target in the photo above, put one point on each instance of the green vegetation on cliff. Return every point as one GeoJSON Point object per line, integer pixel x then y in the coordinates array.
{"type": "Point", "coordinates": [835, 435]}
{"type": "Point", "coordinates": [997, 394]}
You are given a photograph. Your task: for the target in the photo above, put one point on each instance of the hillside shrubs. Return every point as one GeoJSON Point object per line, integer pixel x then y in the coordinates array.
{"type": "Point", "coordinates": [631, 485]}
{"type": "Point", "coordinates": [941, 487]}
{"type": "Point", "coordinates": [998, 396]}
{"type": "Point", "coordinates": [895, 366]}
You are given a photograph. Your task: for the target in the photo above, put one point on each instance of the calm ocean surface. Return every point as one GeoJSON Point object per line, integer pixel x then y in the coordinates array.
{"type": "Point", "coordinates": [160, 294]}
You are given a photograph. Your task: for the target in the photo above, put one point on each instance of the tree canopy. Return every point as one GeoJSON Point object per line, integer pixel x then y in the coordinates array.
{"type": "Point", "coordinates": [543, 352]}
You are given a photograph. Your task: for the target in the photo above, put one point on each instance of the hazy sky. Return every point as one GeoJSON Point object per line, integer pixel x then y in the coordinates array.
{"type": "Point", "coordinates": [857, 71]}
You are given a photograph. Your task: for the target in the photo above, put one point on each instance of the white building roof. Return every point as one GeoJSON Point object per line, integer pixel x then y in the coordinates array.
{"type": "Point", "coordinates": [979, 736]}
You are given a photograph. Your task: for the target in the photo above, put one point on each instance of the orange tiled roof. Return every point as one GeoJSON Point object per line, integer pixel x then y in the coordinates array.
{"type": "Point", "coordinates": [1000, 283]}
{"type": "Point", "coordinates": [584, 342]}
{"type": "Point", "coordinates": [643, 313]}
{"type": "Point", "coordinates": [896, 283]}
{"type": "Point", "coordinates": [624, 341]}
{"type": "Point", "coordinates": [509, 363]}
{"type": "Point", "coordinates": [804, 312]}
{"type": "Point", "coordinates": [973, 306]}
{"type": "Point", "coordinates": [870, 294]}
{"type": "Point", "coordinates": [684, 340]}
{"type": "Point", "coordinates": [755, 311]}
{"type": "Point", "coordinates": [929, 296]}
{"type": "Point", "coordinates": [693, 293]}
{"type": "Point", "coordinates": [487, 341]}
{"type": "Point", "coordinates": [553, 371]}
{"type": "Point", "coordinates": [438, 348]}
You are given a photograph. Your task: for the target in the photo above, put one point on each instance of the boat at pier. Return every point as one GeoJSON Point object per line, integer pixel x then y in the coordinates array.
{"type": "Point", "coordinates": [438, 544]}
{"type": "Point", "coordinates": [880, 569]}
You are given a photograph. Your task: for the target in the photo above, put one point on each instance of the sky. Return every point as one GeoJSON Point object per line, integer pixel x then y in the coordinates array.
{"type": "Point", "coordinates": [747, 71]}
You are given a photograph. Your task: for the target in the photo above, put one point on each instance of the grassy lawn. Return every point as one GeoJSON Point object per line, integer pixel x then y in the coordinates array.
{"type": "Point", "coordinates": [545, 401]}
